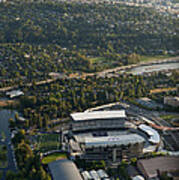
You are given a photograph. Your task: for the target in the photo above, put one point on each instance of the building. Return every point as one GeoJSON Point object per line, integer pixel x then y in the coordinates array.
{"type": "Point", "coordinates": [138, 177]}
{"type": "Point", "coordinates": [84, 121]}
{"type": "Point", "coordinates": [109, 136]}
{"type": "Point", "coordinates": [152, 168]}
{"type": "Point", "coordinates": [64, 169]}
{"type": "Point", "coordinates": [14, 93]}
{"type": "Point", "coordinates": [110, 148]}
{"type": "Point", "coordinates": [153, 135]}
{"type": "Point", "coordinates": [95, 175]}
{"type": "Point", "coordinates": [132, 171]}
{"type": "Point", "coordinates": [171, 101]}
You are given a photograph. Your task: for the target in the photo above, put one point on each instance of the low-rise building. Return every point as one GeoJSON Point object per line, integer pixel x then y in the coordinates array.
{"type": "Point", "coordinates": [138, 177]}
{"type": "Point", "coordinates": [154, 167]}
{"type": "Point", "coordinates": [14, 93]}
{"type": "Point", "coordinates": [95, 175]}
{"type": "Point", "coordinates": [64, 169]}
{"type": "Point", "coordinates": [171, 101]}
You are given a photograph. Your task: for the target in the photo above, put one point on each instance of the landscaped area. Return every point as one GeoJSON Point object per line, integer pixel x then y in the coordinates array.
{"type": "Point", "coordinates": [97, 60]}
{"type": "Point", "coordinates": [53, 157]}
{"type": "Point", "coordinates": [169, 117]}
{"type": "Point", "coordinates": [3, 156]}
{"type": "Point", "coordinates": [152, 58]}
{"type": "Point", "coordinates": [46, 142]}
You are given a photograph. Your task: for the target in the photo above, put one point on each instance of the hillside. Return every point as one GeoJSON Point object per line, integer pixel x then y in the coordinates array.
{"type": "Point", "coordinates": [39, 38]}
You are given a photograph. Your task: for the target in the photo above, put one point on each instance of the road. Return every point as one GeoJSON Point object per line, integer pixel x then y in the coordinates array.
{"type": "Point", "coordinates": [152, 117]}
{"type": "Point", "coordinates": [98, 74]}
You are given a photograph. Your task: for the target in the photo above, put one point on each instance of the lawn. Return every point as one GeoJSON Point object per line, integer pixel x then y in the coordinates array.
{"type": "Point", "coordinates": [101, 63]}
{"type": "Point", "coordinates": [97, 60]}
{"type": "Point", "coordinates": [152, 58]}
{"type": "Point", "coordinates": [169, 117]}
{"type": "Point", "coordinates": [53, 157]}
{"type": "Point", "coordinates": [46, 142]}
{"type": "Point", "coordinates": [3, 156]}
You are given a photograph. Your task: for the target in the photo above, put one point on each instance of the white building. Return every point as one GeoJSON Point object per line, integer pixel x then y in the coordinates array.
{"type": "Point", "coordinates": [14, 93]}
{"type": "Point", "coordinates": [172, 101]}
{"type": "Point", "coordinates": [85, 121]}
{"type": "Point", "coordinates": [108, 147]}
{"type": "Point", "coordinates": [154, 136]}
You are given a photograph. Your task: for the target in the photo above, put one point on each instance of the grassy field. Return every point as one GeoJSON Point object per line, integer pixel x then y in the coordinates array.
{"type": "Point", "coordinates": [97, 59]}
{"type": "Point", "coordinates": [47, 142]}
{"type": "Point", "coordinates": [53, 157]}
{"type": "Point", "coordinates": [3, 156]}
{"type": "Point", "coordinates": [103, 60]}
{"type": "Point", "coordinates": [169, 117]}
{"type": "Point", "coordinates": [152, 58]}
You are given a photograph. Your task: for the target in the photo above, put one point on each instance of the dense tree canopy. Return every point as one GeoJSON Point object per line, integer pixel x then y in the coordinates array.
{"type": "Point", "coordinates": [39, 38]}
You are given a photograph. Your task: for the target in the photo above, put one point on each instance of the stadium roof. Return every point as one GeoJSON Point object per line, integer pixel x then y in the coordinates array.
{"type": "Point", "coordinates": [154, 136]}
{"type": "Point", "coordinates": [64, 169]}
{"type": "Point", "coordinates": [113, 140]}
{"type": "Point", "coordinates": [81, 116]}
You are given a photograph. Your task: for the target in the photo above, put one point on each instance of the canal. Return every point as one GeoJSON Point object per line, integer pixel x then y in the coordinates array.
{"type": "Point", "coordinates": [5, 115]}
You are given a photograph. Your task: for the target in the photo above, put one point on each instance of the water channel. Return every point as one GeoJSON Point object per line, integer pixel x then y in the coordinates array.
{"type": "Point", "coordinates": [5, 115]}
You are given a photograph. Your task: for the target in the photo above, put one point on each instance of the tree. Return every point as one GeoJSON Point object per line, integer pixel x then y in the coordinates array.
{"type": "Point", "coordinates": [11, 123]}
{"type": "Point", "coordinates": [10, 175]}
{"type": "Point", "coordinates": [23, 153]}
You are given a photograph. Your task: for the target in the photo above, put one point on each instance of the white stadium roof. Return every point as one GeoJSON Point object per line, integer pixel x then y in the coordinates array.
{"type": "Point", "coordinates": [154, 136]}
{"type": "Point", "coordinates": [113, 140]}
{"type": "Point", "coordinates": [82, 116]}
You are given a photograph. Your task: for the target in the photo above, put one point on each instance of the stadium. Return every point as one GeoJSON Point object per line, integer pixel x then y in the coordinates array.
{"type": "Point", "coordinates": [110, 136]}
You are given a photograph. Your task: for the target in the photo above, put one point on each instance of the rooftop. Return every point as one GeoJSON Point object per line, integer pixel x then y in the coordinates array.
{"type": "Point", "coordinates": [149, 167]}
{"type": "Point", "coordinates": [154, 136]}
{"type": "Point", "coordinates": [14, 93]}
{"type": "Point", "coordinates": [64, 168]}
{"type": "Point", "coordinates": [112, 140]}
{"type": "Point", "coordinates": [82, 116]}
